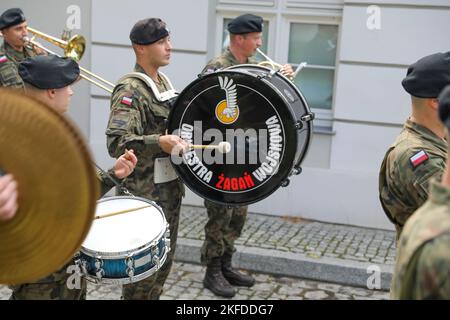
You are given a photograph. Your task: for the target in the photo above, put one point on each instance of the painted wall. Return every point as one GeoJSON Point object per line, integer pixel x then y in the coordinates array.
{"type": "Point", "coordinates": [340, 178]}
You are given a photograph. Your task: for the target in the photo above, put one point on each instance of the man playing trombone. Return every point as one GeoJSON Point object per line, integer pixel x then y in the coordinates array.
{"type": "Point", "coordinates": [13, 50]}
{"type": "Point", "coordinates": [225, 224]}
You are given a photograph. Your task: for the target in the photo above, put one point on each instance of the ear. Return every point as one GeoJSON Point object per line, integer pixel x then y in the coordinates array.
{"type": "Point", "coordinates": [433, 103]}
{"type": "Point", "coordinates": [51, 93]}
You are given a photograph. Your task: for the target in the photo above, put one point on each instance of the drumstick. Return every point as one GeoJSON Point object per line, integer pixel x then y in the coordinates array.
{"type": "Point", "coordinates": [121, 212]}
{"type": "Point", "coordinates": [127, 156]}
{"type": "Point", "coordinates": [222, 147]}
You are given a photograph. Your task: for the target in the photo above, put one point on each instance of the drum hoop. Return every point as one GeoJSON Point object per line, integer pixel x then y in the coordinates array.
{"type": "Point", "coordinates": [135, 251]}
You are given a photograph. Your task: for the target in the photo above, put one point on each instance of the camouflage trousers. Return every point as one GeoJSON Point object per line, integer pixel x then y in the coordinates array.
{"type": "Point", "coordinates": [63, 284]}
{"type": "Point", "coordinates": [152, 287]}
{"type": "Point", "coordinates": [224, 226]}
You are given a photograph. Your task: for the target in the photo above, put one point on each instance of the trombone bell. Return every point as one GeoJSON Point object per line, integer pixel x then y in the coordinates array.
{"type": "Point", "coordinates": [74, 48]}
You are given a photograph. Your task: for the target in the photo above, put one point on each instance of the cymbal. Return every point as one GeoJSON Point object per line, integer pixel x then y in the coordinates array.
{"type": "Point", "coordinates": [57, 186]}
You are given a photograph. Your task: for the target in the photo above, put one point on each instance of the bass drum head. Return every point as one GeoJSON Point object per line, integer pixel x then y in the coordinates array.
{"type": "Point", "coordinates": [253, 118]}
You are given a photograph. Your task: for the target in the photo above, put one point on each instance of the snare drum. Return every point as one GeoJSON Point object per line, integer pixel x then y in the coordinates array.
{"type": "Point", "coordinates": [260, 114]}
{"type": "Point", "coordinates": [127, 247]}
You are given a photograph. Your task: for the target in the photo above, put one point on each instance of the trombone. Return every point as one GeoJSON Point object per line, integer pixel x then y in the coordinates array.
{"type": "Point", "coordinates": [73, 48]}
{"type": "Point", "coordinates": [276, 66]}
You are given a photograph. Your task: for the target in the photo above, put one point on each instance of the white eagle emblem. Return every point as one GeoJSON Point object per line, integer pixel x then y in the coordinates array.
{"type": "Point", "coordinates": [231, 96]}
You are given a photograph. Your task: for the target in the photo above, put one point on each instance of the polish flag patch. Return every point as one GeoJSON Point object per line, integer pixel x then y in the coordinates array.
{"type": "Point", "coordinates": [3, 59]}
{"type": "Point", "coordinates": [418, 158]}
{"type": "Point", "coordinates": [126, 100]}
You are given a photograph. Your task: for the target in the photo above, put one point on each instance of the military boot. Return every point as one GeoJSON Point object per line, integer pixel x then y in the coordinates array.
{"type": "Point", "coordinates": [233, 276]}
{"type": "Point", "coordinates": [215, 281]}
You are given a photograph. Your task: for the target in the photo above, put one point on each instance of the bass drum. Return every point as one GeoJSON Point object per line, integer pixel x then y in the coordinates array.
{"type": "Point", "coordinates": [262, 118]}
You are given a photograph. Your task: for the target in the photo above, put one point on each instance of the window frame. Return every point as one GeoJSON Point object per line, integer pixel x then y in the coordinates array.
{"type": "Point", "coordinates": [323, 117]}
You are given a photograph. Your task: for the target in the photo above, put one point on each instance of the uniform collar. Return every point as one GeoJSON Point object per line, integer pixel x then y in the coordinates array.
{"type": "Point", "coordinates": [14, 55]}
{"type": "Point", "coordinates": [426, 133]}
{"type": "Point", "coordinates": [229, 55]}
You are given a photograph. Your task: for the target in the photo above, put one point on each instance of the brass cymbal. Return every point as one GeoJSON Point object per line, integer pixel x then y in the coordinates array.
{"type": "Point", "coordinates": [57, 185]}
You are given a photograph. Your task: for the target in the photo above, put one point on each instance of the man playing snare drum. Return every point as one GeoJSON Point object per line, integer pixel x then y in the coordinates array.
{"type": "Point", "coordinates": [49, 79]}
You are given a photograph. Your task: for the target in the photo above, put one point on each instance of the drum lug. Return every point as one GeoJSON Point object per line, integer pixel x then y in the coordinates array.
{"type": "Point", "coordinates": [297, 170]}
{"type": "Point", "coordinates": [285, 182]}
{"type": "Point", "coordinates": [130, 272]}
{"type": "Point", "coordinates": [299, 125]}
{"type": "Point", "coordinates": [129, 262]}
{"type": "Point", "coordinates": [308, 117]}
{"type": "Point", "coordinates": [99, 274]}
{"type": "Point", "coordinates": [82, 264]}
{"type": "Point", "coordinates": [98, 263]}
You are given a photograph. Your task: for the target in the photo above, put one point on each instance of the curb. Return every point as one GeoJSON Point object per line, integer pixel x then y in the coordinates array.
{"type": "Point", "coordinates": [298, 265]}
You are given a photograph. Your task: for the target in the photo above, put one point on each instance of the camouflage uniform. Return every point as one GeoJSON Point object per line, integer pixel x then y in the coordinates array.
{"type": "Point", "coordinates": [224, 224]}
{"type": "Point", "coordinates": [423, 259]}
{"type": "Point", "coordinates": [55, 286]}
{"type": "Point", "coordinates": [9, 63]}
{"type": "Point", "coordinates": [403, 184]}
{"type": "Point", "coordinates": [137, 125]}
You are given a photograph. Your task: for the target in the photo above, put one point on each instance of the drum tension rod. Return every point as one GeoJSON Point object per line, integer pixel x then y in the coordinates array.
{"type": "Point", "coordinates": [308, 117]}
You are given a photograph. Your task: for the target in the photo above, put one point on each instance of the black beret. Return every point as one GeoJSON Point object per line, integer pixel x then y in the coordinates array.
{"type": "Point", "coordinates": [148, 31]}
{"type": "Point", "coordinates": [444, 106]}
{"type": "Point", "coordinates": [427, 77]}
{"type": "Point", "coordinates": [11, 17]}
{"type": "Point", "coordinates": [245, 23]}
{"type": "Point", "coordinates": [49, 72]}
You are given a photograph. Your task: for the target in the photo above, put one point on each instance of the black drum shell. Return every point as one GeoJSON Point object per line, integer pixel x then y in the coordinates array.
{"type": "Point", "coordinates": [262, 84]}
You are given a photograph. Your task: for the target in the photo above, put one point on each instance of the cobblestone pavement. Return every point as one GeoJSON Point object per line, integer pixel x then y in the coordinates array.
{"type": "Point", "coordinates": [315, 239]}
{"type": "Point", "coordinates": [185, 282]}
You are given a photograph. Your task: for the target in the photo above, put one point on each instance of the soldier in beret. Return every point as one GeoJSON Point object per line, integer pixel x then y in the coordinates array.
{"type": "Point", "coordinates": [13, 27]}
{"type": "Point", "coordinates": [138, 121]}
{"type": "Point", "coordinates": [48, 79]}
{"type": "Point", "coordinates": [423, 257]}
{"type": "Point", "coordinates": [225, 224]}
{"type": "Point", "coordinates": [420, 151]}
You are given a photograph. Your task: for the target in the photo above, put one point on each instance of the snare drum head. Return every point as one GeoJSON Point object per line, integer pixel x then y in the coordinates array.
{"type": "Point", "coordinates": [125, 232]}
{"type": "Point", "coordinates": [252, 118]}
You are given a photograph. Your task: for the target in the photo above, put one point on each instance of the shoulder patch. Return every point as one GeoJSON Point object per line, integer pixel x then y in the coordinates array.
{"type": "Point", "coordinates": [418, 158]}
{"type": "Point", "coordinates": [127, 100]}
{"type": "Point", "coordinates": [3, 59]}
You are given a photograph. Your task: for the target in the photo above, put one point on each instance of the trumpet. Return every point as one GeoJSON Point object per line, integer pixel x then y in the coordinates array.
{"type": "Point", "coordinates": [73, 48]}
{"type": "Point", "coordinates": [276, 66]}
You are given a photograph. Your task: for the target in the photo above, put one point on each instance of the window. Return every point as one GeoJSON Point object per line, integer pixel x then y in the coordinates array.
{"type": "Point", "coordinates": [315, 44]}
{"type": "Point", "coordinates": [226, 38]}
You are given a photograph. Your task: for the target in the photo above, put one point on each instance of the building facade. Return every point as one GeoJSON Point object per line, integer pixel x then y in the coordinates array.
{"type": "Point", "coordinates": [357, 53]}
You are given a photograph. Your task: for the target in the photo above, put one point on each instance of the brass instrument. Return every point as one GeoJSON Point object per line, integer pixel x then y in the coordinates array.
{"type": "Point", "coordinates": [276, 66]}
{"type": "Point", "coordinates": [73, 48]}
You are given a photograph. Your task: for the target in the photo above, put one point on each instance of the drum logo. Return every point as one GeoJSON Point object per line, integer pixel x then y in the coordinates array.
{"type": "Point", "coordinates": [227, 110]}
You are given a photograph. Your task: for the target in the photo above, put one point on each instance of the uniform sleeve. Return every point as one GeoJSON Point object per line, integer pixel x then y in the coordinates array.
{"type": "Point", "coordinates": [126, 124]}
{"type": "Point", "coordinates": [9, 77]}
{"type": "Point", "coordinates": [424, 173]}
{"type": "Point", "coordinates": [106, 183]}
{"type": "Point", "coordinates": [433, 270]}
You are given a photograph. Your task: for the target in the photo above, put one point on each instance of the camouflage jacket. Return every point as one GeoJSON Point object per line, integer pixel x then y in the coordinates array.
{"type": "Point", "coordinates": [9, 63]}
{"type": "Point", "coordinates": [106, 183]}
{"type": "Point", "coordinates": [136, 121]}
{"type": "Point", "coordinates": [416, 156]}
{"type": "Point", "coordinates": [423, 259]}
{"type": "Point", "coordinates": [225, 60]}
